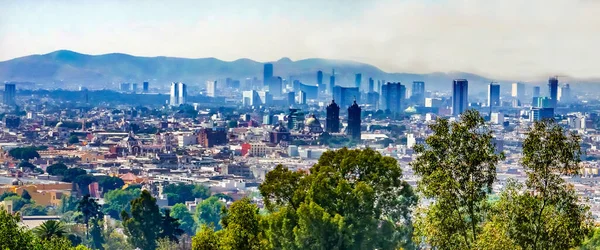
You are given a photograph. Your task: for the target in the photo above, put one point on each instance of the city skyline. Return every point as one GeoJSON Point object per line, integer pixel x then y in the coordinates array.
{"type": "Point", "coordinates": [507, 41]}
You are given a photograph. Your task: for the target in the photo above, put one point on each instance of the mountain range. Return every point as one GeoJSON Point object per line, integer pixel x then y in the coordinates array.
{"type": "Point", "coordinates": [65, 69]}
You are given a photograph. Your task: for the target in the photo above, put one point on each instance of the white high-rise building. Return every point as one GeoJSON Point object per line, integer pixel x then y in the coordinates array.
{"type": "Point", "coordinates": [250, 98]}
{"type": "Point", "coordinates": [178, 93]}
{"type": "Point", "coordinates": [518, 91]}
{"type": "Point", "coordinates": [497, 118]}
{"type": "Point", "coordinates": [211, 88]}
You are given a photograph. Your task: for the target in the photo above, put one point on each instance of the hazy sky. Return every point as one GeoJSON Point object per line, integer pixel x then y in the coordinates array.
{"type": "Point", "coordinates": [497, 38]}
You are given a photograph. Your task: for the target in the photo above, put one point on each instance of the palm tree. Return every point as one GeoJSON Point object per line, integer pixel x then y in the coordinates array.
{"type": "Point", "coordinates": [49, 229]}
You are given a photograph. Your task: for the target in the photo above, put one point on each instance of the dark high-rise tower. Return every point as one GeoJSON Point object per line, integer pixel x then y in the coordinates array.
{"type": "Point", "coordinates": [393, 96]}
{"type": "Point", "coordinates": [320, 81]}
{"type": "Point", "coordinates": [358, 80]}
{"type": "Point", "coordinates": [267, 73]}
{"type": "Point", "coordinates": [418, 92]}
{"type": "Point", "coordinates": [353, 129]}
{"type": "Point", "coordinates": [331, 82]}
{"type": "Point", "coordinates": [371, 84]}
{"type": "Point", "coordinates": [493, 95]}
{"type": "Point", "coordinates": [460, 92]}
{"type": "Point", "coordinates": [10, 91]}
{"type": "Point", "coordinates": [536, 91]}
{"type": "Point", "coordinates": [332, 123]}
{"type": "Point", "coordinates": [275, 85]}
{"type": "Point", "coordinates": [553, 87]}
{"type": "Point", "coordinates": [145, 87]}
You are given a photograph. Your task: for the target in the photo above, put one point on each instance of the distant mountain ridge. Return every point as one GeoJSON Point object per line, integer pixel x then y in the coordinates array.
{"type": "Point", "coordinates": [69, 68]}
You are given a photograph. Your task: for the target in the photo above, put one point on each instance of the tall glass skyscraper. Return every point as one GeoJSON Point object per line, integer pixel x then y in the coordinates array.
{"type": "Point", "coordinates": [460, 92]}
{"type": "Point", "coordinates": [553, 87]}
{"type": "Point", "coordinates": [267, 73]}
{"type": "Point", "coordinates": [178, 93]}
{"type": "Point", "coordinates": [493, 95]}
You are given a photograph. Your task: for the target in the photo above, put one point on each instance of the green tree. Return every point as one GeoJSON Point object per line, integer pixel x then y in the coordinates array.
{"type": "Point", "coordinates": [544, 213]}
{"type": "Point", "coordinates": [593, 242]}
{"type": "Point", "coordinates": [25, 165]}
{"type": "Point", "coordinates": [142, 226]}
{"type": "Point", "coordinates": [209, 212]}
{"type": "Point", "coordinates": [181, 192]}
{"type": "Point", "coordinates": [67, 203]}
{"type": "Point", "coordinates": [33, 209]}
{"type": "Point", "coordinates": [25, 195]}
{"type": "Point", "coordinates": [111, 183]}
{"type": "Point", "coordinates": [6, 195]}
{"type": "Point", "coordinates": [73, 140]}
{"type": "Point", "coordinates": [57, 169]}
{"type": "Point", "coordinates": [50, 229]}
{"type": "Point", "coordinates": [241, 227]}
{"type": "Point", "coordinates": [114, 239]}
{"type": "Point", "coordinates": [457, 167]}
{"type": "Point", "coordinates": [205, 239]}
{"type": "Point", "coordinates": [170, 227]}
{"type": "Point", "coordinates": [83, 182]}
{"type": "Point", "coordinates": [90, 210]}
{"type": "Point", "coordinates": [350, 199]}
{"type": "Point", "coordinates": [24, 154]}
{"type": "Point", "coordinates": [71, 174]}
{"type": "Point", "coordinates": [12, 235]}
{"type": "Point", "coordinates": [119, 200]}
{"type": "Point", "coordinates": [18, 202]}
{"type": "Point", "coordinates": [186, 220]}
{"type": "Point", "coordinates": [166, 244]}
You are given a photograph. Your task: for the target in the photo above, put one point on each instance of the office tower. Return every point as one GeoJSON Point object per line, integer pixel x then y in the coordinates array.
{"type": "Point", "coordinates": [311, 91]}
{"type": "Point", "coordinates": [460, 92]}
{"type": "Point", "coordinates": [357, 80]}
{"type": "Point", "coordinates": [378, 86]}
{"type": "Point", "coordinates": [518, 91]}
{"type": "Point", "coordinates": [10, 91]}
{"type": "Point", "coordinates": [265, 98]}
{"type": "Point", "coordinates": [267, 73]}
{"type": "Point", "coordinates": [353, 129]}
{"type": "Point", "coordinates": [250, 98]}
{"type": "Point", "coordinates": [538, 114]}
{"type": "Point", "coordinates": [541, 102]}
{"type": "Point", "coordinates": [178, 93]}
{"type": "Point", "coordinates": [291, 98]}
{"type": "Point", "coordinates": [565, 94]}
{"type": "Point", "coordinates": [371, 84]}
{"type": "Point", "coordinates": [134, 87]}
{"type": "Point", "coordinates": [145, 87]}
{"type": "Point", "coordinates": [301, 97]}
{"type": "Point", "coordinates": [536, 91]}
{"type": "Point", "coordinates": [332, 123]}
{"type": "Point", "coordinates": [275, 85]}
{"type": "Point", "coordinates": [345, 95]}
{"type": "Point", "coordinates": [331, 82]}
{"type": "Point", "coordinates": [373, 99]}
{"type": "Point", "coordinates": [84, 94]}
{"type": "Point", "coordinates": [211, 88]}
{"type": "Point", "coordinates": [418, 92]}
{"type": "Point", "coordinates": [553, 89]}
{"type": "Point", "coordinates": [493, 95]}
{"type": "Point", "coordinates": [320, 81]}
{"type": "Point", "coordinates": [125, 87]}
{"type": "Point", "coordinates": [393, 97]}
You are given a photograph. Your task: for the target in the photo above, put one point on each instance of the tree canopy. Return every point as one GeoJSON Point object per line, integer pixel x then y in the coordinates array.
{"type": "Point", "coordinates": [181, 192]}
{"type": "Point", "coordinates": [457, 166]}
{"type": "Point", "coordinates": [352, 199]}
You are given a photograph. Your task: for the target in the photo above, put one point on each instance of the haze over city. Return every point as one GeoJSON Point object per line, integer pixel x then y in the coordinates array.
{"type": "Point", "coordinates": [264, 124]}
{"type": "Point", "coordinates": [511, 39]}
